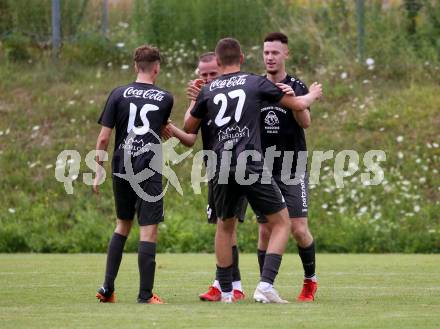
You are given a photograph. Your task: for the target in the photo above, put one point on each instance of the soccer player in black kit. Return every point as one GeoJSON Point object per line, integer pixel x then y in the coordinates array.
{"type": "Point", "coordinates": [138, 112]}
{"type": "Point", "coordinates": [231, 102]}
{"type": "Point", "coordinates": [284, 130]}
{"type": "Point", "coordinates": [208, 70]}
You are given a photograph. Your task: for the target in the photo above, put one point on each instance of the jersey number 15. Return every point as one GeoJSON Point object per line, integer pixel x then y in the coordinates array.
{"type": "Point", "coordinates": [141, 130]}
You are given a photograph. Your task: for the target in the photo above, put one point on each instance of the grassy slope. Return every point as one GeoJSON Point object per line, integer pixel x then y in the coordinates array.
{"type": "Point", "coordinates": [65, 102]}
{"type": "Point", "coordinates": [356, 291]}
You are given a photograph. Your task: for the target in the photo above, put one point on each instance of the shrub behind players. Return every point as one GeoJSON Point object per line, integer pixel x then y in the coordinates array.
{"type": "Point", "coordinates": [138, 109]}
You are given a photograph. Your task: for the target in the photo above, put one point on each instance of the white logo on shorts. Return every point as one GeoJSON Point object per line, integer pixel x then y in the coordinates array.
{"type": "Point", "coordinates": [208, 211]}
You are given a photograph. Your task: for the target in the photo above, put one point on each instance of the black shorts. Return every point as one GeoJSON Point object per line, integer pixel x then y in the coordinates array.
{"type": "Point", "coordinates": [266, 198]}
{"type": "Point", "coordinates": [128, 202]}
{"type": "Point", "coordinates": [212, 214]}
{"type": "Point", "coordinates": [296, 197]}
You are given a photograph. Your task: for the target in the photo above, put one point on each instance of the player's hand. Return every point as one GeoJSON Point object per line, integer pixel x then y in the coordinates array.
{"type": "Point", "coordinates": [286, 89]}
{"type": "Point", "coordinates": [193, 89]}
{"type": "Point", "coordinates": [316, 90]}
{"type": "Point", "coordinates": [95, 186]}
{"type": "Point", "coordinates": [167, 131]}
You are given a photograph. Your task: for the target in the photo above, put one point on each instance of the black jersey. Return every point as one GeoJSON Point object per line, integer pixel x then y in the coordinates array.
{"type": "Point", "coordinates": [207, 133]}
{"type": "Point", "coordinates": [139, 107]}
{"type": "Point", "coordinates": [279, 127]}
{"type": "Point", "coordinates": [231, 104]}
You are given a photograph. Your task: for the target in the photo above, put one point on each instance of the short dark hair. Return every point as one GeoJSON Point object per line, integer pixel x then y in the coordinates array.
{"type": "Point", "coordinates": [207, 57]}
{"type": "Point", "coordinates": [145, 56]}
{"type": "Point", "coordinates": [228, 51]}
{"type": "Point", "coordinates": [277, 36]}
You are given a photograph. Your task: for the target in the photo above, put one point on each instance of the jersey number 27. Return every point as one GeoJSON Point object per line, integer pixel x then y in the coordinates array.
{"type": "Point", "coordinates": [220, 119]}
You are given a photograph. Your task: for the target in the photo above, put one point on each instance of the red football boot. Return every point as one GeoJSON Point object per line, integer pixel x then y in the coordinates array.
{"type": "Point", "coordinates": [238, 295]}
{"type": "Point", "coordinates": [308, 291]}
{"type": "Point", "coordinates": [212, 295]}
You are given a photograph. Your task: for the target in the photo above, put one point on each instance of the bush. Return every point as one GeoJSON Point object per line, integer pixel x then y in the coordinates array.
{"type": "Point", "coordinates": [16, 47]}
{"type": "Point", "coordinates": [200, 21]}
{"type": "Point", "coordinates": [13, 239]}
{"type": "Point", "coordinates": [93, 49]}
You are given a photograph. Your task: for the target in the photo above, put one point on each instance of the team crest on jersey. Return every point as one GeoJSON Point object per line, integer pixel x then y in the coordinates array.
{"type": "Point", "coordinates": [271, 119]}
{"type": "Point", "coordinates": [233, 133]}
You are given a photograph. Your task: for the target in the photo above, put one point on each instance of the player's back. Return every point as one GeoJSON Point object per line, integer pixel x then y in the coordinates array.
{"type": "Point", "coordinates": [231, 104]}
{"type": "Point", "coordinates": [136, 111]}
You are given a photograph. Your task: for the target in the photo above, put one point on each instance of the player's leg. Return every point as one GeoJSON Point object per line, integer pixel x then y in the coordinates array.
{"type": "Point", "coordinates": [227, 197]}
{"type": "Point", "coordinates": [147, 262]}
{"type": "Point", "coordinates": [267, 200]}
{"type": "Point", "coordinates": [264, 232]}
{"type": "Point", "coordinates": [150, 214]}
{"type": "Point", "coordinates": [223, 250]}
{"type": "Point", "coordinates": [279, 235]}
{"type": "Point", "coordinates": [214, 293]}
{"type": "Point", "coordinates": [236, 275]}
{"type": "Point", "coordinates": [237, 288]}
{"type": "Point", "coordinates": [297, 202]}
{"type": "Point", "coordinates": [306, 250]}
{"type": "Point", "coordinates": [306, 245]}
{"type": "Point", "coordinates": [125, 201]}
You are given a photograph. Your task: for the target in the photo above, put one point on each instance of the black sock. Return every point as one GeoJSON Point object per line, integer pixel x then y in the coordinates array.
{"type": "Point", "coordinates": [114, 257]}
{"type": "Point", "coordinates": [224, 275]}
{"type": "Point", "coordinates": [271, 266]}
{"type": "Point", "coordinates": [261, 256]}
{"type": "Point", "coordinates": [147, 267]}
{"type": "Point", "coordinates": [235, 270]}
{"type": "Point", "coordinates": [308, 259]}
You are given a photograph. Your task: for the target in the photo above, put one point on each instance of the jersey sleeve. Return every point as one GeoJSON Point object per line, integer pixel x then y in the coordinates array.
{"type": "Point", "coordinates": [168, 110]}
{"type": "Point", "coordinates": [200, 107]}
{"type": "Point", "coordinates": [269, 91]}
{"type": "Point", "coordinates": [300, 88]}
{"type": "Point", "coordinates": [108, 115]}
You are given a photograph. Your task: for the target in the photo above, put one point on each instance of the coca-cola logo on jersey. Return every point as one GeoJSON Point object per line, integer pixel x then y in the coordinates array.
{"type": "Point", "coordinates": [237, 80]}
{"type": "Point", "coordinates": [153, 94]}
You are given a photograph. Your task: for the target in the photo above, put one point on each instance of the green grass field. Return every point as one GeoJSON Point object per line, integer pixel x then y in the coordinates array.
{"type": "Point", "coordinates": [356, 291]}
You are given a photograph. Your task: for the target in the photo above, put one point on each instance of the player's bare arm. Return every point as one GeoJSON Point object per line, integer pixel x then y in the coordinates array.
{"type": "Point", "coordinates": [166, 131]}
{"type": "Point", "coordinates": [302, 117]}
{"type": "Point", "coordinates": [206, 73]}
{"type": "Point", "coordinates": [191, 124]}
{"type": "Point", "coordinates": [187, 139]}
{"type": "Point", "coordinates": [302, 103]}
{"type": "Point", "coordinates": [101, 144]}
{"type": "Point", "coordinates": [188, 111]}
{"type": "Point", "coordinates": [286, 89]}
{"type": "Point", "coordinates": [170, 130]}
